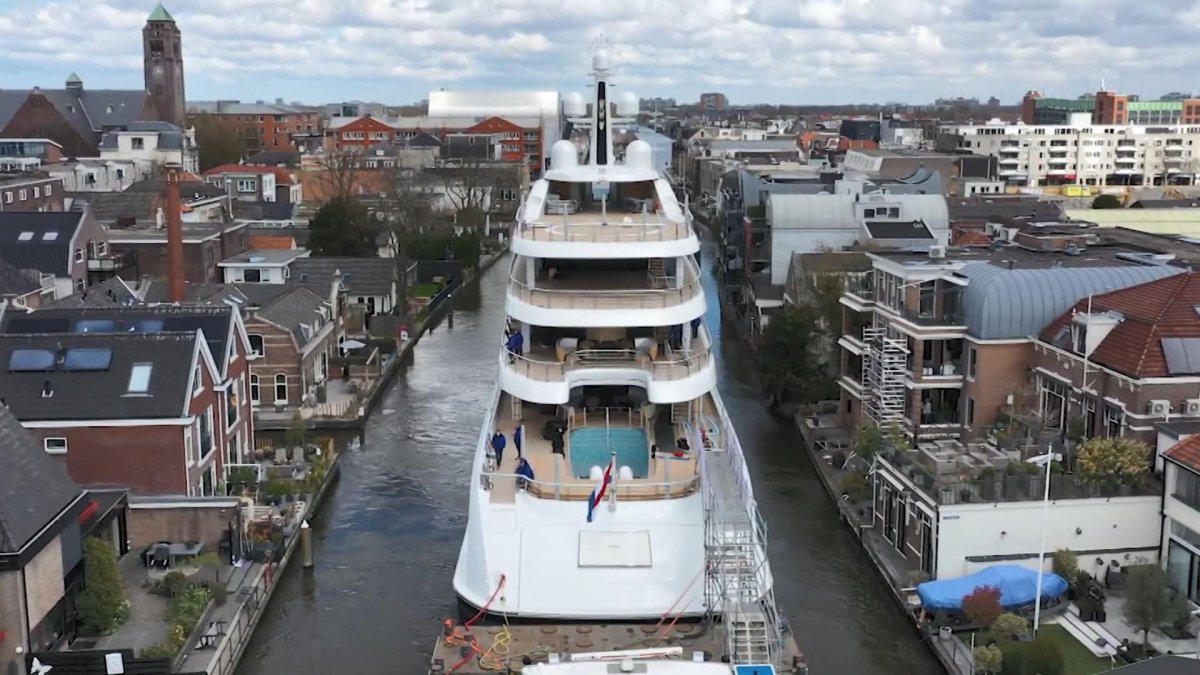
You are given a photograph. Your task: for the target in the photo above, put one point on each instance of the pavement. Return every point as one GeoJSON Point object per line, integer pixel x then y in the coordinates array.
{"type": "Point", "coordinates": [147, 612]}
{"type": "Point", "coordinates": [1116, 624]}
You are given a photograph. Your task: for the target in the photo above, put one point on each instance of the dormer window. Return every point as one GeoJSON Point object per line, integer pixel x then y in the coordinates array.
{"type": "Point", "coordinates": [1079, 339]}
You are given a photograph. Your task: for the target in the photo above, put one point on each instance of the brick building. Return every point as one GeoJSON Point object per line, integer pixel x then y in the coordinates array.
{"type": "Point", "coordinates": [261, 126]}
{"type": "Point", "coordinates": [59, 244]}
{"type": "Point", "coordinates": [30, 191]}
{"type": "Point", "coordinates": [139, 410]}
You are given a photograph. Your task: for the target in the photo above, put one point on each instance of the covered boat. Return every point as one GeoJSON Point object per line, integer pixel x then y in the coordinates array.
{"type": "Point", "coordinates": [1018, 588]}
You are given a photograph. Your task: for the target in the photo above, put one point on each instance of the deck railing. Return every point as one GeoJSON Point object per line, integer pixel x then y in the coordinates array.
{"type": "Point", "coordinates": [659, 292]}
{"type": "Point", "coordinates": [676, 366]}
{"type": "Point", "coordinates": [635, 490]}
{"type": "Point", "coordinates": [615, 226]}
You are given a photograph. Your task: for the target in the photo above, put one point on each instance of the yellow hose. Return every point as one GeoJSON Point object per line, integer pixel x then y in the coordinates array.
{"type": "Point", "coordinates": [493, 658]}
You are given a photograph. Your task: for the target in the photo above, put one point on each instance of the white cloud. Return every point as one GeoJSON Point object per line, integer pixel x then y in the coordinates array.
{"type": "Point", "coordinates": [754, 50]}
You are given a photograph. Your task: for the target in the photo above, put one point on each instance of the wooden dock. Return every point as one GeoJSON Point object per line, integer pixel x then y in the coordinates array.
{"type": "Point", "coordinates": [486, 650]}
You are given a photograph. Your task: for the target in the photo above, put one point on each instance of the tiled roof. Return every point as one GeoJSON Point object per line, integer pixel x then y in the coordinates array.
{"type": "Point", "coordinates": [359, 276]}
{"type": "Point", "coordinates": [973, 238]}
{"type": "Point", "coordinates": [239, 168]}
{"type": "Point", "coordinates": [100, 394]}
{"type": "Point", "coordinates": [1186, 452]}
{"type": "Point", "coordinates": [1150, 312]}
{"type": "Point", "coordinates": [274, 158]}
{"type": "Point", "coordinates": [112, 292]}
{"type": "Point", "coordinates": [41, 241]}
{"type": "Point", "coordinates": [34, 487]}
{"type": "Point", "coordinates": [298, 308]}
{"type": "Point", "coordinates": [14, 282]}
{"type": "Point", "coordinates": [88, 112]}
{"type": "Point", "coordinates": [214, 321]}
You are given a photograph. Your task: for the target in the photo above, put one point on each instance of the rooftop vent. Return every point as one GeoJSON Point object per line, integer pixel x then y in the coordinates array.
{"type": "Point", "coordinates": [47, 390]}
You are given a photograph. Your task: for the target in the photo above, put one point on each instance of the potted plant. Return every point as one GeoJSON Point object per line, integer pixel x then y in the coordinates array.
{"type": "Point", "coordinates": [1109, 463]}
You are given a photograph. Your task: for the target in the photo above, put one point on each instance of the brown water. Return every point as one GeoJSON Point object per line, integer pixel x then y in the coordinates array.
{"type": "Point", "coordinates": [388, 536]}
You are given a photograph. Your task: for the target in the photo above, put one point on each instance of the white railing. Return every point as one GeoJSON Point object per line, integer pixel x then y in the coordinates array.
{"type": "Point", "coordinates": [677, 367]}
{"type": "Point", "coordinates": [581, 490]}
{"type": "Point", "coordinates": [660, 292]}
{"type": "Point", "coordinates": [600, 228]}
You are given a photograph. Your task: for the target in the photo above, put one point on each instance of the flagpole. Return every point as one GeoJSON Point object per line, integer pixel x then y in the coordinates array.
{"type": "Point", "coordinates": [612, 497]}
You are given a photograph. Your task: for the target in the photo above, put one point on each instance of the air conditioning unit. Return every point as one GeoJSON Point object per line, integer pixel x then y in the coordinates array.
{"type": "Point", "coordinates": [1158, 407]}
{"type": "Point", "coordinates": [937, 251]}
{"type": "Point", "coordinates": [1191, 406]}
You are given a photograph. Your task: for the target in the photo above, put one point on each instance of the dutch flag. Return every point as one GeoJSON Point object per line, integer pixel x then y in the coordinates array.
{"type": "Point", "coordinates": [598, 493]}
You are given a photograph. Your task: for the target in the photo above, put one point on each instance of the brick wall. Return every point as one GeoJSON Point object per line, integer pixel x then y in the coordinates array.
{"type": "Point", "coordinates": [1000, 370]}
{"type": "Point", "coordinates": [38, 118]}
{"type": "Point", "coordinates": [206, 524]}
{"type": "Point", "coordinates": [147, 459]}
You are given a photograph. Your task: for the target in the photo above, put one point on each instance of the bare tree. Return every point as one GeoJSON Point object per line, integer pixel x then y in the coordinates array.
{"type": "Point", "coordinates": [407, 211]}
{"type": "Point", "coordinates": [340, 173]}
{"type": "Point", "coordinates": [471, 185]}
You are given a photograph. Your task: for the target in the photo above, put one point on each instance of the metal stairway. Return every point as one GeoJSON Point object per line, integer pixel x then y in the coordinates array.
{"type": "Point", "coordinates": [883, 375]}
{"type": "Point", "coordinates": [738, 583]}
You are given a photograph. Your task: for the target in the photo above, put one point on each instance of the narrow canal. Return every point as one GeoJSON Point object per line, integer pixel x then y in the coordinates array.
{"type": "Point", "coordinates": [388, 538]}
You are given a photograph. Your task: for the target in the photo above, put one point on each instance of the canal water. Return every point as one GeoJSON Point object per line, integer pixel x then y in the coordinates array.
{"type": "Point", "coordinates": [388, 537]}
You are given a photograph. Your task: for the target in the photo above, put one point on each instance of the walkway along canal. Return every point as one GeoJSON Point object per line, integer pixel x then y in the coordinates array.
{"type": "Point", "coordinates": [388, 537]}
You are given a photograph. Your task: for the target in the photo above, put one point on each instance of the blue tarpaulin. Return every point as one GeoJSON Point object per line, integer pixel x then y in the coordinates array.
{"type": "Point", "coordinates": [1018, 587]}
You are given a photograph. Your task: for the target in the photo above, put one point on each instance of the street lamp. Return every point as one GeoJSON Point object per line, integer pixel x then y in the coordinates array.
{"type": "Point", "coordinates": [1047, 459]}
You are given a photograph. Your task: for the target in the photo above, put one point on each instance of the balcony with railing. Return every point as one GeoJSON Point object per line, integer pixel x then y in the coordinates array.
{"type": "Point", "coordinates": [667, 371]}
{"type": "Point", "coordinates": [607, 297]}
{"type": "Point", "coordinates": [624, 221]}
{"type": "Point", "coordinates": [940, 361]}
{"type": "Point", "coordinates": [111, 261]}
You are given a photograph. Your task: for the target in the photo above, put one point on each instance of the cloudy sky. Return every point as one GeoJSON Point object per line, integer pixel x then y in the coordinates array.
{"type": "Point", "coordinates": [795, 51]}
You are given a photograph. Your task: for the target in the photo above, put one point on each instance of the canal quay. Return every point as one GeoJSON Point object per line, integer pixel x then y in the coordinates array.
{"type": "Point", "coordinates": [387, 537]}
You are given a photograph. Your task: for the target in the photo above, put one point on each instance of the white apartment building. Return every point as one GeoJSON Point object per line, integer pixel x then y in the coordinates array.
{"type": "Point", "coordinates": [1082, 153]}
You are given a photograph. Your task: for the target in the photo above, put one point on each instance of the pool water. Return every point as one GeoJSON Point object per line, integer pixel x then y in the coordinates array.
{"type": "Point", "coordinates": [593, 447]}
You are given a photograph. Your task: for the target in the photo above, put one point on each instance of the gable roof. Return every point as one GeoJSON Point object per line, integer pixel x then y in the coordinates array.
{"type": "Point", "coordinates": [112, 292]}
{"type": "Point", "coordinates": [34, 487]}
{"type": "Point", "coordinates": [359, 276]}
{"type": "Point", "coordinates": [102, 394]}
{"type": "Point", "coordinates": [294, 311]}
{"type": "Point", "coordinates": [1152, 315]}
{"type": "Point", "coordinates": [216, 322]}
{"type": "Point", "coordinates": [275, 158]}
{"type": "Point", "coordinates": [39, 240]}
{"type": "Point", "coordinates": [423, 140]}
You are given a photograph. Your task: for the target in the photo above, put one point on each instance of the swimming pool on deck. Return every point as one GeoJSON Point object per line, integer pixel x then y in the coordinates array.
{"type": "Point", "coordinates": [593, 447]}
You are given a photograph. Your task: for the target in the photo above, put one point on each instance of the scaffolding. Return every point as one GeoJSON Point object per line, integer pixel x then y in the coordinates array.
{"type": "Point", "coordinates": [884, 365]}
{"type": "Point", "coordinates": [738, 584]}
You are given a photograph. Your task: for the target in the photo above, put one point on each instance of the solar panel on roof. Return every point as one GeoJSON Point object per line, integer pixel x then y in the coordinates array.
{"type": "Point", "coordinates": [94, 326]}
{"type": "Point", "coordinates": [31, 360]}
{"type": "Point", "coordinates": [38, 326]}
{"type": "Point", "coordinates": [1182, 354]}
{"type": "Point", "coordinates": [87, 359]}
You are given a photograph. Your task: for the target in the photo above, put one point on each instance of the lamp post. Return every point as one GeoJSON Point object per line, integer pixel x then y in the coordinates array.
{"type": "Point", "coordinates": [1047, 459]}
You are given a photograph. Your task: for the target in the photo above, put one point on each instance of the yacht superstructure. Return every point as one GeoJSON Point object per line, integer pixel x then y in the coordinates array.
{"type": "Point", "coordinates": [631, 499]}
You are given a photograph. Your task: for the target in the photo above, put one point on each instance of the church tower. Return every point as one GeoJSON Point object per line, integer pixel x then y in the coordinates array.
{"type": "Point", "coordinates": [163, 54]}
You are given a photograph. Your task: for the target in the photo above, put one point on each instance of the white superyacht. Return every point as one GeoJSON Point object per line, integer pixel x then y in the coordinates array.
{"type": "Point", "coordinates": [630, 500]}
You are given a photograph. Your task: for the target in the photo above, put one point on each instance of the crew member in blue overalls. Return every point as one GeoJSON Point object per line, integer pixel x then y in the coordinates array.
{"type": "Point", "coordinates": [498, 443]}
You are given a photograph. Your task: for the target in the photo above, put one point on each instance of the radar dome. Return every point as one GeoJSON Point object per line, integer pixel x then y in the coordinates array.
{"type": "Point", "coordinates": [573, 105]}
{"type": "Point", "coordinates": [563, 155]}
{"type": "Point", "coordinates": [638, 154]}
{"type": "Point", "coordinates": [600, 60]}
{"type": "Point", "coordinates": [627, 104]}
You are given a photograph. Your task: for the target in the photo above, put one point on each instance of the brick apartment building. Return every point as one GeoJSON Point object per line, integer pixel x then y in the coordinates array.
{"type": "Point", "coordinates": [942, 342]}
{"type": "Point", "coordinates": [59, 244]}
{"type": "Point", "coordinates": [30, 191]}
{"type": "Point", "coordinates": [259, 125]}
{"type": "Point", "coordinates": [139, 410]}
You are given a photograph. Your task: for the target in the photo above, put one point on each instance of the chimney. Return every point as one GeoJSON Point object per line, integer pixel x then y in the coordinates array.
{"type": "Point", "coordinates": [175, 281]}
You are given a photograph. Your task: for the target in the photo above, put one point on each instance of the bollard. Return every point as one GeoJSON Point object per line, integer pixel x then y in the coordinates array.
{"type": "Point", "coordinates": [306, 544]}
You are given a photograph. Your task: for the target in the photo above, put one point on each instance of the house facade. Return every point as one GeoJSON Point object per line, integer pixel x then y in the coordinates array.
{"type": "Point", "coordinates": [30, 191]}
{"type": "Point", "coordinates": [1181, 507]}
{"type": "Point", "coordinates": [136, 410]}
{"type": "Point", "coordinates": [268, 266]}
{"type": "Point", "coordinates": [60, 244]}
{"type": "Point", "coordinates": [224, 334]}
{"type": "Point", "coordinates": [261, 126]}
{"type": "Point", "coordinates": [292, 338]}
{"type": "Point", "coordinates": [256, 183]}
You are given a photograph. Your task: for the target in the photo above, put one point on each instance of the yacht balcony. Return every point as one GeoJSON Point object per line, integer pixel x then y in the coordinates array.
{"type": "Point", "coordinates": [607, 298]}
{"type": "Point", "coordinates": [548, 374]}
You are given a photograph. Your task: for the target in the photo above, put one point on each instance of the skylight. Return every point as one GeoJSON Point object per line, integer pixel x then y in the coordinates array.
{"type": "Point", "coordinates": [49, 236]}
{"type": "Point", "coordinates": [139, 378]}
{"type": "Point", "coordinates": [25, 236]}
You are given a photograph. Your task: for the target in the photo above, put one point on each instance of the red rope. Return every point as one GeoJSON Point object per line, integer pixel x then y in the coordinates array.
{"type": "Point", "coordinates": [483, 610]}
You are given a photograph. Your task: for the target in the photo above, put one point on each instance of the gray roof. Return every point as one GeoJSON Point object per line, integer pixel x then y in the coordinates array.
{"type": "Point", "coordinates": [93, 110]}
{"type": "Point", "coordinates": [1007, 304]}
{"type": "Point", "coordinates": [888, 229]}
{"type": "Point", "coordinates": [1169, 664]}
{"type": "Point", "coordinates": [14, 282]}
{"type": "Point", "coordinates": [269, 256]}
{"type": "Point", "coordinates": [112, 292]}
{"type": "Point", "coordinates": [423, 140]}
{"type": "Point", "coordinates": [239, 108]}
{"type": "Point", "coordinates": [837, 211]}
{"type": "Point", "coordinates": [214, 321]}
{"type": "Point", "coordinates": [109, 207]}
{"type": "Point", "coordinates": [100, 394]}
{"type": "Point", "coordinates": [274, 158]}
{"type": "Point", "coordinates": [299, 307]}
{"type": "Point", "coordinates": [359, 276]}
{"type": "Point", "coordinates": [983, 208]}
{"type": "Point", "coordinates": [263, 210]}
{"type": "Point", "coordinates": [242, 295]}
{"type": "Point", "coordinates": [49, 256]}
{"type": "Point", "coordinates": [34, 487]}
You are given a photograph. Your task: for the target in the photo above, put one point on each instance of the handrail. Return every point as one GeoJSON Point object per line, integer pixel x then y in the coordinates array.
{"type": "Point", "coordinates": [655, 296]}
{"type": "Point", "coordinates": [605, 227]}
{"type": "Point", "coordinates": [581, 490]}
{"type": "Point", "coordinates": [607, 358]}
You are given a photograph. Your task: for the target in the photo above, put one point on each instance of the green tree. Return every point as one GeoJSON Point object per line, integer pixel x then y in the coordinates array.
{"type": "Point", "coordinates": [1147, 599]}
{"type": "Point", "coordinates": [790, 363]}
{"type": "Point", "coordinates": [988, 659]}
{"type": "Point", "coordinates": [1042, 657]}
{"type": "Point", "coordinates": [466, 249]}
{"type": "Point", "coordinates": [1009, 626]}
{"type": "Point", "coordinates": [344, 227]}
{"type": "Point", "coordinates": [1066, 564]}
{"type": "Point", "coordinates": [1106, 202]}
{"type": "Point", "coordinates": [217, 145]}
{"type": "Point", "coordinates": [868, 440]}
{"type": "Point", "coordinates": [101, 606]}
